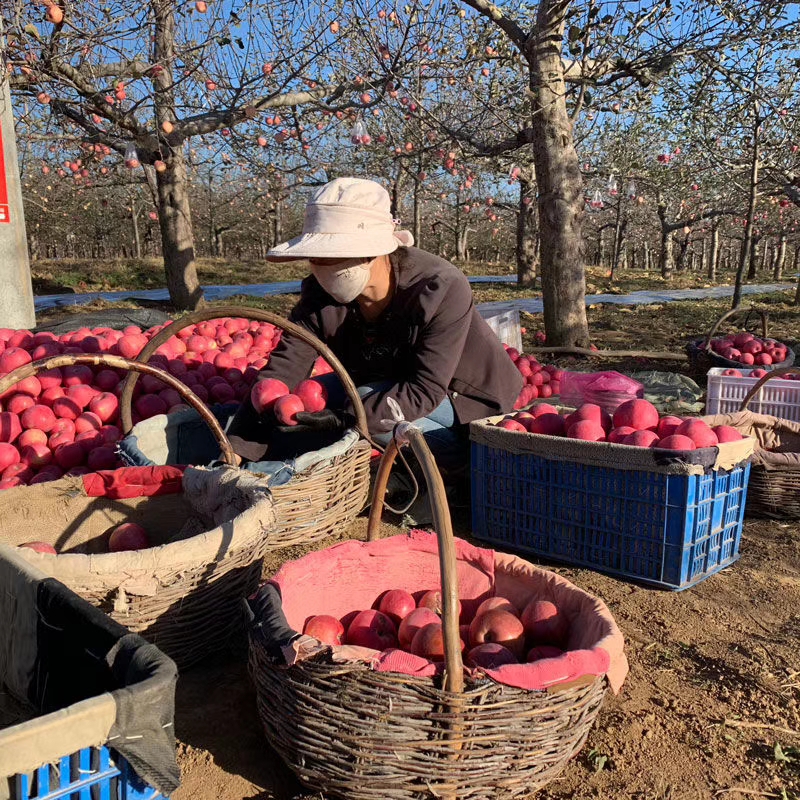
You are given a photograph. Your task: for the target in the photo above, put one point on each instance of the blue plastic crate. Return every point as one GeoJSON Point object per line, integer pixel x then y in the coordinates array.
{"type": "Point", "coordinates": [89, 774]}
{"type": "Point", "coordinates": [671, 531]}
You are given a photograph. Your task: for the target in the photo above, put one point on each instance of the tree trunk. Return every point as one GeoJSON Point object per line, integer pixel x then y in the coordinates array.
{"type": "Point", "coordinates": [619, 239]}
{"type": "Point", "coordinates": [560, 185]}
{"type": "Point", "coordinates": [752, 268]}
{"type": "Point", "coordinates": [174, 210]}
{"type": "Point", "coordinates": [417, 226]}
{"type": "Point", "coordinates": [526, 237]}
{"type": "Point", "coordinates": [747, 241]}
{"type": "Point", "coordinates": [175, 221]}
{"type": "Point", "coordinates": [765, 255]}
{"type": "Point", "coordinates": [780, 258]}
{"type": "Point", "coordinates": [665, 257]}
{"type": "Point", "coordinates": [683, 245]}
{"type": "Point", "coordinates": [714, 252]}
{"type": "Point", "coordinates": [796, 265]}
{"type": "Point", "coordinates": [137, 240]}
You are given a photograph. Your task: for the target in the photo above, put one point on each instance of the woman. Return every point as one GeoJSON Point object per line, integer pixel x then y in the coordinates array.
{"type": "Point", "coordinates": [402, 322]}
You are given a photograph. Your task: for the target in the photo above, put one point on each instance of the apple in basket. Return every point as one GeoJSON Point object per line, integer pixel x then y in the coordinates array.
{"type": "Point", "coordinates": [326, 628]}
{"type": "Point", "coordinates": [496, 602]}
{"type": "Point", "coordinates": [286, 409]}
{"type": "Point", "coordinates": [372, 629]}
{"type": "Point", "coordinates": [432, 599]}
{"type": "Point", "coordinates": [490, 656]}
{"type": "Point", "coordinates": [544, 623]}
{"type": "Point", "coordinates": [418, 618]}
{"type": "Point", "coordinates": [40, 547]}
{"type": "Point", "coordinates": [501, 627]}
{"type": "Point", "coordinates": [397, 604]}
{"type": "Point", "coordinates": [128, 536]}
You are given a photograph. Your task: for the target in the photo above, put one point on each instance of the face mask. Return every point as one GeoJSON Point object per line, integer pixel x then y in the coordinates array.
{"type": "Point", "coordinates": [345, 283]}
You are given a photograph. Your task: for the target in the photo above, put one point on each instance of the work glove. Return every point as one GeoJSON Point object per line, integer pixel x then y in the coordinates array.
{"type": "Point", "coordinates": [314, 430]}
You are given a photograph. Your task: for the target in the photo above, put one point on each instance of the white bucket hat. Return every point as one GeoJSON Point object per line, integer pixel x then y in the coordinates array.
{"type": "Point", "coordinates": [346, 218]}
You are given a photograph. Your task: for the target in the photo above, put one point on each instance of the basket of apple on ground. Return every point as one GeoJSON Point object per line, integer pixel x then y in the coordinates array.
{"type": "Point", "coordinates": [421, 666]}
{"type": "Point", "coordinates": [157, 548]}
{"type": "Point", "coordinates": [650, 497]}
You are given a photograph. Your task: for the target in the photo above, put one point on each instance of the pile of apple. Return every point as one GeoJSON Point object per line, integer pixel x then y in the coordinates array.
{"type": "Point", "coordinates": [635, 422]}
{"type": "Point", "coordinates": [65, 421]}
{"type": "Point", "coordinates": [541, 380]}
{"type": "Point", "coordinates": [125, 537]}
{"type": "Point", "coordinates": [499, 633]}
{"type": "Point", "coordinates": [749, 349]}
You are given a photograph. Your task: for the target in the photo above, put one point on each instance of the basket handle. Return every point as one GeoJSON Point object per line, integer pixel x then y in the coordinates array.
{"type": "Point", "coordinates": [731, 312]}
{"type": "Point", "coordinates": [247, 313]}
{"type": "Point", "coordinates": [134, 367]}
{"type": "Point", "coordinates": [775, 373]}
{"type": "Point", "coordinates": [406, 433]}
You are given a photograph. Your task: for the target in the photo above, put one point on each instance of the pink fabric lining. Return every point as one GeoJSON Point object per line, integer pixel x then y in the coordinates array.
{"type": "Point", "coordinates": [350, 576]}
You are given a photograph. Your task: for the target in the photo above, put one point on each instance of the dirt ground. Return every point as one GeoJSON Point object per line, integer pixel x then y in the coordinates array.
{"type": "Point", "coordinates": [710, 707]}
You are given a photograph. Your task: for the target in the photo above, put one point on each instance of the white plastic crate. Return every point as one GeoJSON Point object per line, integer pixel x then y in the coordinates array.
{"type": "Point", "coordinates": [506, 326]}
{"type": "Point", "coordinates": [778, 397]}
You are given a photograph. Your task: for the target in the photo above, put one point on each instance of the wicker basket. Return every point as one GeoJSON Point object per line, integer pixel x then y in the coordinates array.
{"type": "Point", "coordinates": [702, 357]}
{"type": "Point", "coordinates": [774, 489]}
{"type": "Point", "coordinates": [323, 500]}
{"type": "Point", "coordinates": [349, 731]}
{"type": "Point", "coordinates": [184, 595]}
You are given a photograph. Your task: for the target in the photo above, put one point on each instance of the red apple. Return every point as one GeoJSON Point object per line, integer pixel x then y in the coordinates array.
{"type": "Point", "coordinates": [548, 424]}
{"type": "Point", "coordinates": [40, 547]}
{"type": "Point", "coordinates": [512, 425]}
{"type": "Point", "coordinates": [428, 642]}
{"type": "Point", "coordinates": [77, 375]}
{"type": "Point", "coordinates": [128, 536]}
{"type": "Point", "coordinates": [9, 455]}
{"type": "Point", "coordinates": [150, 405]}
{"type": "Point", "coordinates": [543, 408]}
{"type": "Point", "coordinates": [432, 599]}
{"type": "Point", "coordinates": [496, 602]}
{"type": "Point", "coordinates": [265, 392]}
{"type": "Point", "coordinates": [397, 604]}
{"type": "Point", "coordinates": [590, 412]}
{"type": "Point", "coordinates": [372, 629]}
{"type": "Point", "coordinates": [758, 373]}
{"type": "Point", "coordinates": [668, 425]}
{"type": "Point", "coordinates": [103, 457]}
{"type": "Point", "coordinates": [35, 455]}
{"type": "Point", "coordinates": [10, 426]}
{"type": "Point", "coordinates": [104, 405]}
{"type": "Point", "coordinates": [69, 454]}
{"type": "Point", "coordinates": [490, 656]}
{"type": "Point", "coordinates": [20, 470]}
{"type": "Point", "coordinates": [639, 414]}
{"type": "Point", "coordinates": [19, 403]}
{"type": "Point", "coordinates": [586, 430]}
{"type": "Point", "coordinates": [676, 442]}
{"type": "Point", "coordinates": [641, 438]}
{"type": "Point", "coordinates": [498, 626]}
{"type": "Point", "coordinates": [727, 433]}
{"type": "Point", "coordinates": [618, 434]}
{"type": "Point", "coordinates": [312, 393]}
{"type": "Point", "coordinates": [286, 409]}
{"type": "Point", "coordinates": [417, 619]}
{"type": "Point", "coordinates": [326, 628]}
{"type": "Point", "coordinates": [733, 373]}
{"type": "Point", "coordinates": [13, 357]}
{"type": "Point", "coordinates": [544, 622]}
{"type": "Point", "coordinates": [66, 407]}
{"type": "Point", "coordinates": [31, 436]}
{"type": "Point", "coordinates": [698, 431]}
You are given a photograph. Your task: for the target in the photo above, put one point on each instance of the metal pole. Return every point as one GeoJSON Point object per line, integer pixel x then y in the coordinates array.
{"type": "Point", "coordinates": [16, 292]}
